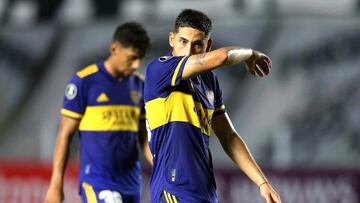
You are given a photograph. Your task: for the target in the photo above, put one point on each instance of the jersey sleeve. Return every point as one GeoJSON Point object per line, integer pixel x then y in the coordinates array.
{"type": "Point", "coordinates": [74, 103]}
{"type": "Point", "coordinates": [219, 105]}
{"type": "Point", "coordinates": [165, 72]}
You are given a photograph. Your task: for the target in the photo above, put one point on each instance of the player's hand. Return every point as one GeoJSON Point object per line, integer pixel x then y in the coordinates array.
{"type": "Point", "coordinates": [54, 195]}
{"type": "Point", "coordinates": [258, 64]}
{"type": "Point", "coordinates": [269, 194]}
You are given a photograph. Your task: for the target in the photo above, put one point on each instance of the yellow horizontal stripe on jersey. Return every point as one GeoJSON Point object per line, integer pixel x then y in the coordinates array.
{"type": "Point", "coordinates": [87, 71]}
{"type": "Point", "coordinates": [180, 107]}
{"type": "Point", "coordinates": [173, 80]}
{"type": "Point", "coordinates": [111, 118]}
{"type": "Point", "coordinates": [71, 114]}
{"type": "Point", "coordinates": [89, 193]}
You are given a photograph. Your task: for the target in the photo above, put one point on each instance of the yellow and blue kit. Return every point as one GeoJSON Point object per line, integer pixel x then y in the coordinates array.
{"type": "Point", "coordinates": [109, 111]}
{"type": "Point", "coordinates": [179, 114]}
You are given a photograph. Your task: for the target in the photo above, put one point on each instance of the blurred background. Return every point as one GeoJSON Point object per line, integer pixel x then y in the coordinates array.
{"type": "Point", "coordinates": [302, 123]}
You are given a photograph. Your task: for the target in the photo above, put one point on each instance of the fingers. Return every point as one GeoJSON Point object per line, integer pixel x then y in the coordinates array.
{"type": "Point", "coordinates": [260, 66]}
{"type": "Point", "coordinates": [258, 71]}
{"type": "Point", "coordinates": [250, 69]}
{"type": "Point", "coordinates": [276, 198]}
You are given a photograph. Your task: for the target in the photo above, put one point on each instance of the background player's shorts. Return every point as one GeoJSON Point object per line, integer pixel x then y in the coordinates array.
{"type": "Point", "coordinates": [166, 197]}
{"type": "Point", "coordinates": [93, 195]}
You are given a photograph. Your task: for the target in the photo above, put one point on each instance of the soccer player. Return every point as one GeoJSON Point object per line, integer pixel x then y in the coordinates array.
{"type": "Point", "coordinates": [104, 101]}
{"type": "Point", "coordinates": [183, 103]}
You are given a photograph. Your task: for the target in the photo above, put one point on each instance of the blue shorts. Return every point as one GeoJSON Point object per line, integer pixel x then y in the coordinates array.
{"type": "Point", "coordinates": [93, 195]}
{"type": "Point", "coordinates": [166, 197]}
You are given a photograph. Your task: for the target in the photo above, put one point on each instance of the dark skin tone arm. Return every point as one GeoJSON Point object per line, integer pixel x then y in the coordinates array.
{"type": "Point", "coordinates": [66, 130]}
{"type": "Point", "coordinates": [143, 141]}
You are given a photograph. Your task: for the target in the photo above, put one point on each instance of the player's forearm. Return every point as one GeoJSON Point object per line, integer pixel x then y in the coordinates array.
{"type": "Point", "coordinates": [237, 55]}
{"type": "Point", "coordinates": [148, 155]}
{"type": "Point", "coordinates": [60, 160]}
{"type": "Point", "coordinates": [240, 154]}
{"type": "Point", "coordinates": [200, 63]}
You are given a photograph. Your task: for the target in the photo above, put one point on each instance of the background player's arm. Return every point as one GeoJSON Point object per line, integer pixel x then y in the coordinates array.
{"type": "Point", "coordinates": [143, 140]}
{"type": "Point", "coordinates": [237, 150]}
{"type": "Point", "coordinates": [256, 62]}
{"type": "Point", "coordinates": [66, 130]}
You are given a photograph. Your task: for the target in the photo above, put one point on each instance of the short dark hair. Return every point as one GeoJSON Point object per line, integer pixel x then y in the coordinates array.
{"type": "Point", "coordinates": [195, 19]}
{"type": "Point", "coordinates": [133, 34]}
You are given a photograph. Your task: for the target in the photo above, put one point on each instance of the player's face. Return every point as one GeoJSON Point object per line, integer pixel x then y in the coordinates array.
{"type": "Point", "coordinates": [126, 59]}
{"type": "Point", "coordinates": [188, 41]}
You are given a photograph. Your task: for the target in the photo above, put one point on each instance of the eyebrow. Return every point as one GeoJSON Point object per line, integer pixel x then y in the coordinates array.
{"type": "Point", "coordinates": [182, 38]}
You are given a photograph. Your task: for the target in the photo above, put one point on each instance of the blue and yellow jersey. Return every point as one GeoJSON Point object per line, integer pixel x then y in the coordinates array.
{"type": "Point", "coordinates": [179, 114]}
{"type": "Point", "coordinates": [109, 111]}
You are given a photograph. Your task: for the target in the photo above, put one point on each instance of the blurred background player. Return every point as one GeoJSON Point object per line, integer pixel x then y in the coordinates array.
{"type": "Point", "coordinates": [104, 101]}
{"type": "Point", "coordinates": [183, 102]}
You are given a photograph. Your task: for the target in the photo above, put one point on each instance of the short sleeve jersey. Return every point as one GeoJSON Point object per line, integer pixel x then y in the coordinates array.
{"type": "Point", "coordinates": [179, 114]}
{"type": "Point", "coordinates": [109, 111]}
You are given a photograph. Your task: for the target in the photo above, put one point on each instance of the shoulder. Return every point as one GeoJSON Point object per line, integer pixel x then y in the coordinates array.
{"type": "Point", "coordinates": [87, 71]}
{"type": "Point", "coordinates": [163, 63]}
{"type": "Point", "coordinates": [82, 76]}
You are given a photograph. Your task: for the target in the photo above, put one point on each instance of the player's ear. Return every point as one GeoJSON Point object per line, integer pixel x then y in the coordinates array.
{"type": "Point", "coordinates": [171, 38]}
{"type": "Point", "coordinates": [209, 44]}
{"type": "Point", "coordinates": [112, 48]}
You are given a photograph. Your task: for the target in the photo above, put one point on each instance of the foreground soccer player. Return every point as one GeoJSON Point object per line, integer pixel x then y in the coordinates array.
{"type": "Point", "coordinates": [104, 102]}
{"type": "Point", "coordinates": [183, 102]}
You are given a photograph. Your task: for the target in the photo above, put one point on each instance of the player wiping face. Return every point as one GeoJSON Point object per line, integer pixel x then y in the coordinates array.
{"type": "Point", "coordinates": [192, 42]}
{"type": "Point", "coordinates": [184, 103]}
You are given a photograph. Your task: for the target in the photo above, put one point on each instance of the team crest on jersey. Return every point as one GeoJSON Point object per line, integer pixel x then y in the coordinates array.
{"type": "Point", "coordinates": [210, 96]}
{"type": "Point", "coordinates": [135, 96]}
{"type": "Point", "coordinates": [164, 58]}
{"type": "Point", "coordinates": [70, 91]}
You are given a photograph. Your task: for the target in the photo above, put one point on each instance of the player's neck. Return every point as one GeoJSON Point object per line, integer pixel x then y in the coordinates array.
{"type": "Point", "coordinates": [111, 69]}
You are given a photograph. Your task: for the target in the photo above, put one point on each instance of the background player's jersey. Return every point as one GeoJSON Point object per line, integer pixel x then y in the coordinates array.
{"type": "Point", "coordinates": [179, 114]}
{"type": "Point", "coordinates": [109, 111]}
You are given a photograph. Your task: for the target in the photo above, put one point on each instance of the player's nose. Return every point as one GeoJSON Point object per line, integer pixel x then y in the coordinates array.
{"type": "Point", "coordinates": [135, 64]}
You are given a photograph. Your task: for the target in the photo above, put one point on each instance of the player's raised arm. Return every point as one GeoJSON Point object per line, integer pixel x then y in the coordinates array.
{"type": "Point", "coordinates": [256, 62]}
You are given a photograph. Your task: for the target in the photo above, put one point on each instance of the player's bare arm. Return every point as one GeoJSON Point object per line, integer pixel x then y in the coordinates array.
{"type": "Point", "coordinates": [143, 141]}
{"type": "Point", "coordinates": [237, 150]}
{"type": "Point", "coordinates": [66, 130]}
{"type": "Point", "coordinates": [256, 62]}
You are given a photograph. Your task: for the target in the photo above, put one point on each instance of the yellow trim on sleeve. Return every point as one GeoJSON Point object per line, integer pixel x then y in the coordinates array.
{"type": "Point", "coordinates": [89, 193]}
{"type": "Point", "coordinates": [173, 80]}
{"type": "Point", "coordinates": [87, 71]}
{"type": "Point", "coordinates": [71, 114]}
{"type": "Point", "coordinates": [166, 197]}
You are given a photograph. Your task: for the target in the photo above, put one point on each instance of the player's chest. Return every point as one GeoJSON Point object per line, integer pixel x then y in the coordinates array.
{"type": "Point", "coordinates": [114, 94]}
{"type": "Point", "coordinates": [203, 93]}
